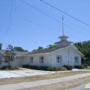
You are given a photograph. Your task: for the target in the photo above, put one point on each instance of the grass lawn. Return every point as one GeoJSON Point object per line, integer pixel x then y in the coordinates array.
{"type": "Point", "coordinates": [39, 77]}
{"type": "Point", "coordinates": [88, 68]}
{"type": "Point", "coordinates": [63, 85]}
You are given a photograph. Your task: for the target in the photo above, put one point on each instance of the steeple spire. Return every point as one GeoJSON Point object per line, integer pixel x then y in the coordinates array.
{"type": "Point", "coordinates": [62, 26]}
{"type": "Point", "coordinates": [63, 39]}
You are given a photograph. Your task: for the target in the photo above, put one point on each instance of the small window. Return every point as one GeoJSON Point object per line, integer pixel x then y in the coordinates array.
{"type": "Point", "coordinates": [59, 59]}
{"type": "Point", "coordinates": [31, 59]}
{"type": "Point", "coordinates": [76, 59]}
{"type": "Point", "coordinates": [41, 59]}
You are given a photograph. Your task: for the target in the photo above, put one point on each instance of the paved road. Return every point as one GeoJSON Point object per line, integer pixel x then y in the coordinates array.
{"type": "Point", "coordinates": [41, 82]}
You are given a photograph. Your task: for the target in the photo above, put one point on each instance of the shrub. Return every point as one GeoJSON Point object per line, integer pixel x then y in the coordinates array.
{"type": "Point", "coordinates": [69, 67]}
{"type": "Point", "coordinates": [25, 66]}
{"type": "Point", "coordinates": [34, 67]}
{"type": "Point", "coordinates": [52, 68]}
{"type": "Point", "coordinates": [4, 67]}
{"type": "Point", "coordinates": [86, 65]}
{"type": "Point", "coordinates": [79, 66]}
{"type": "Point", "coordinates": [16, 68]}
{"type": "Point", "coordinates": [83, 67]}
{"type": "Point", "coordinates": [9, 68]}
{"type": "Point", "coordinates": [63, 69]}
{"type": "Point", "coordinates": [42, 68]}
{"type": "Point", "coordinates": [29, 66]}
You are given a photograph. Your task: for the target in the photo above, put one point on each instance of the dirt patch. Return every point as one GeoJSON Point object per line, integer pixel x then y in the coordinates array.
{"type": "Point", "coordinates": [39, 77]}
{"type": "Point", "coordinates": [63, 85]}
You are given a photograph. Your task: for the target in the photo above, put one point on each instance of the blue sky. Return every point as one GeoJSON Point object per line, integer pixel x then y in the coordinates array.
{"type": "Point", "coordinates": [28, 35]}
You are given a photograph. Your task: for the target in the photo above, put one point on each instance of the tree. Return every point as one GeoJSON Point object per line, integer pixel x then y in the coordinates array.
{"type": "Point", "coordinates": [9, 55]}
{"type": "Point", "coordinates": [20, 49]}
{"type": "Point", "coordinates": [40, 48]}
{"type": "Point", "coordinates": [0, 46]}
{"type": "Point", "coordinates": [84, 47]}
{"type": "Point", "coordinates": [50, 46]}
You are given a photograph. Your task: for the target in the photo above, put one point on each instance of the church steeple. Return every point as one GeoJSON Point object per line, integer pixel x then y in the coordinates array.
{"type": "Point", "coordinates": [63, 39]}
{"type": "Point", "coordinates": [62, 26]}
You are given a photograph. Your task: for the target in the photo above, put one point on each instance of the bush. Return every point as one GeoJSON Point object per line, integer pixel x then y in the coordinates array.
{"type": "Point", "coordinates": [79, 66]}
{"type": "Point", "coordinates": [4, 67]}
{"type": "Point", "coordinates": [69, 67]}
{"type": "Point", "coordinates": [9, 68]}
{"type": "Point", "coordinates": [42, 68]}
{"type": "Point", "coordinates": [25, 66]}
{"type": "Point", "coordinates": [16, 68]}
{"type": "Point", "coordinates": [63, 69]}
{"type": "Point", "coordinates": [52, 68]}
{"type": "Point", "coordinates": [34, 67]}
{"type": "Point", "coordinates": [85, 65]}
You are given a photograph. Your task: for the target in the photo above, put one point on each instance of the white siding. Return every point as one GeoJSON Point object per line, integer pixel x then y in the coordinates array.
{"type": "Point", "coordinates": [36, 60]}
{"type": "Point", "coordinates": [68, 54]}
{"type": "Point", "coordinates": [16, 62]}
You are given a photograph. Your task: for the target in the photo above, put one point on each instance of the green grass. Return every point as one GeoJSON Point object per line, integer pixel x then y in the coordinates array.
{"type": "Point", "coordinates": [88, 68]}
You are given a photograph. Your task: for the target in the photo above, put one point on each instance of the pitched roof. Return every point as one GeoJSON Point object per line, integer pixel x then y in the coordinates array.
{"type": "Point", "coordinates": [44, 51]}
{"type": "Point", "coordinates": [17, 52]}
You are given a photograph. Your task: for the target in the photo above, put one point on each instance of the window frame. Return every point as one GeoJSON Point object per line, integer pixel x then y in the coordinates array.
{"type": "Point", "coordinates": [59, 60]}
{"type": "Point", "coordinates": [31, 59]}
{"type": "Point", "coordinates": [76, 60]}
{"type": "Point", "coordinates": [41, 60]}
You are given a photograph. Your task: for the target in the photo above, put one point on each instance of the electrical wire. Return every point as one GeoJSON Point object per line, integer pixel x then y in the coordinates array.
{"type": "Point", "coordinates": [38, 24]}
{"type": "Point", "coordinates": [65, 13]}
{"type": "Point", "coordinates": [52, 17]}
{"type": "Point", "coordinates": [10, 17]}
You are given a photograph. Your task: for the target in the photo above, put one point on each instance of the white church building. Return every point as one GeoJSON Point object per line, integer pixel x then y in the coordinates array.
{"type": "Point", "coordinates": [65, 53]}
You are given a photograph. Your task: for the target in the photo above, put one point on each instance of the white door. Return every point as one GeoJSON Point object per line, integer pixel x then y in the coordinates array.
{"type": "Point", "coordinates": [69, 60]}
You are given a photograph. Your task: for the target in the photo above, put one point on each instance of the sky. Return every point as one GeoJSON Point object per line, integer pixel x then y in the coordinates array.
{"type": "Point", "coordinates": [28, 28]}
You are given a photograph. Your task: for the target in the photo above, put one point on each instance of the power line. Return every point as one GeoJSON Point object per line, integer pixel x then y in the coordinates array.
{"type": "Point", "coordinates": [42, 25]}
{"type": "Point", "coordinates": [10, 17]}
{"type": "Point", "coordinates": [52, 17]}
{"type": "Point", "coordinates": [35, 23]}
{"type": "Point", "coordinates": [30, 21]}
{"type": "Point", "coordinates": [64, 13]}
{"type": "Point", "coordinates": [38, 24]}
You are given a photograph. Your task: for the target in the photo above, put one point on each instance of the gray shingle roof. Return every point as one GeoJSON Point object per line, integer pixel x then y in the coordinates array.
{"type": "Point", "coordinates": [17, 52]}
{"type": "Point", "coordinates": [43, 51]}
{"type": "Point", "coordinates": [33, 52]}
